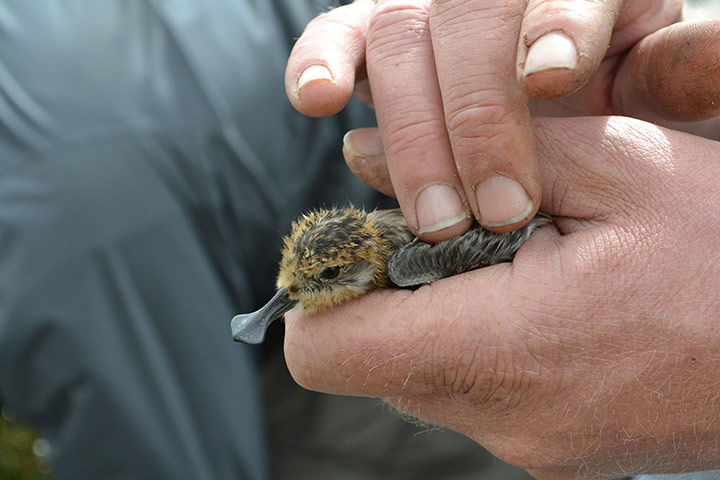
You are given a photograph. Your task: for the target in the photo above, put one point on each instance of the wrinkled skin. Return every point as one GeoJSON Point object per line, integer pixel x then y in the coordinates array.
{"type": "Point", "coordinates": [596, 352]}
{"type": "Point", "coordinates": [451, 93]}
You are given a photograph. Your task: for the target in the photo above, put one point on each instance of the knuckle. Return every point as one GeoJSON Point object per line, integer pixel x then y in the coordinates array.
{"type": "Point", "coordinates": [489, 379]}
{"type": "Point", "coordinates": [338, 22]}
{"type": "Point", "coordinates": [461, 377]}
{"type": "Point", "coordinates": [476, 122]}
{"type": "Point", "coordinates": [402, 20]}
{"type": "Point", "coordinates": [402, 7]}
{"type": "Point", "coordinates": [454, 10]}
{"type": "Point", "coordinates": [570, 14]}
{"type": "Point", "coordinates": [487, 374]}
{"type": "Point", "coordinates": [541, 10]}
{"type": "Point", "coordinates": [648, 16]}
{"type": "Point", "coordinates": [505, 385]}
{"type": "Point", "coordinates": [404, 134]}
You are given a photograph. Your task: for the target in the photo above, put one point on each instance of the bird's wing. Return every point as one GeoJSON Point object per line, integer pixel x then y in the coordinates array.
{"type": "Point", "coordinates": [419, 262]}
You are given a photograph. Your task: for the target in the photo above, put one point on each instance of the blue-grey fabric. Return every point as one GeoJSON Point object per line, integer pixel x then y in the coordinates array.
{"type": "Point", "coordinates": [708, 475]}
{"type": "Point", "coordinates": [147, 154]}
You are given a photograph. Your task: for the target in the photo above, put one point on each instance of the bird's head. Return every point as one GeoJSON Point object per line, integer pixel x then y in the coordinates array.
{"type": "Point", "coordinates": [330, 256]}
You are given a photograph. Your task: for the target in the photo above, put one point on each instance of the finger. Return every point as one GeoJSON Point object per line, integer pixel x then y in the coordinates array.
{"type": "Point", "coordinates": [410, 118]}
{"type": "Point", "coordinates": [562, 42]}
{"type": "Point", "coordinates": [321, 70]}
{"type": "Point", "coordinates": [672, 75]}
{"type": "Point", "coordinates": [365, 156]}
{"type": "Point", "coordinates": [486, 113]}
{"type": "Point", "coordinates": [407, 354]}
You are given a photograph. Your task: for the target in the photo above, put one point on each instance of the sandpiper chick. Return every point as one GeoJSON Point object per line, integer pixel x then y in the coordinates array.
{"type": "Point", "coordinates": [334, 255]}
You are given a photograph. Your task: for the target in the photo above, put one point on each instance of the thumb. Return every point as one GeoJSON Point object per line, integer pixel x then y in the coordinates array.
{"type": "Point", "coordinates": [672, 75]}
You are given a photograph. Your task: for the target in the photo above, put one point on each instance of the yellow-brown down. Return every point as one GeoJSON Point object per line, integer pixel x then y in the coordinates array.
{"type": "Point", "coordinates": [334, 255]}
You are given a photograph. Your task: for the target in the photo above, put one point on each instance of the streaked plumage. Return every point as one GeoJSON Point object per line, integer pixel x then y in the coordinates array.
{"type": "Point", "coordinates": [334, 255]}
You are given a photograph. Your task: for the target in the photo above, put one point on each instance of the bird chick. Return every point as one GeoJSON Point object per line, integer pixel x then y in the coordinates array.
{"type": "Point", "coordinates": [334, 255]}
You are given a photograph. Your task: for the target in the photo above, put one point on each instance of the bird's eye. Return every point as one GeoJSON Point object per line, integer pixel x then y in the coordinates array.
{"type": "Point", "coordinates": [330, 272]}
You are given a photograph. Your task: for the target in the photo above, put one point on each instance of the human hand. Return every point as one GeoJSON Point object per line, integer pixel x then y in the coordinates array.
{"type": "Point", "coordinates": [595, 353]}
{"type": "Point", "coordinates": [449, 83]}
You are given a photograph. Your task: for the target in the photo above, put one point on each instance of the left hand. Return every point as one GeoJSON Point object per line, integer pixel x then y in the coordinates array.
{"type": "Point", "coordinates": [450, 80]}
{"type": "Point", "coordinates": [668, 77]}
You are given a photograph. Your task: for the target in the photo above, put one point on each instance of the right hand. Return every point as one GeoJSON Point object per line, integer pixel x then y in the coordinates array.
{"type": "Point", "coordinates": [453, 119]}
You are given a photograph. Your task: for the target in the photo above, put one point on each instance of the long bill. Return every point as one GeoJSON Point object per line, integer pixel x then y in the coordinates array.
{"type": "Point", "coordinates": [250, 328]}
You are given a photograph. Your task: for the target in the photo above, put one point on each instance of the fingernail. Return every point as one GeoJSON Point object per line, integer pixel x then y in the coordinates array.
{"type": "Point", "coordinates": [363, 142]}
{"type": "Point", "coordinates": [438, 206]}
{"type": "Point", "coordinates": [313, 73]}
{"type": "Point", "coordinates": [551, 51]}
{"type": "Point", "coordinates": [502, 201]}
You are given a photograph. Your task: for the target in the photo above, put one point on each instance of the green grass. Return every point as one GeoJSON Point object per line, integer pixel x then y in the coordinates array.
{"type": "Point", "coordinates": [18, 460]}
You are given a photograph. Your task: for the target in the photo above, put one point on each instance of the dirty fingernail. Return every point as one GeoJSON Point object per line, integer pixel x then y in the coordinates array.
{"type": "Point", "coordinates": [502, 201]}
{"type": "Point", "coordinates": [437, 207]}
{"type": "Point", "coordinates": [313, 73]}
{"type": "Point", "coordinates": [363, 142]}
{"type": "Point", "coordinates": [551, 51]}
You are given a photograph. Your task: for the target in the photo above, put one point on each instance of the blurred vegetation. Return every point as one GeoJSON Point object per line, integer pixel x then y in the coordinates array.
{"type": "Point", "coordinates": [18, 457]}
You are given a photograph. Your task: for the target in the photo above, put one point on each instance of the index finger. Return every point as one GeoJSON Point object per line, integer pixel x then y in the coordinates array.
{"type": "Point", "coordinates": [347, 351]}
